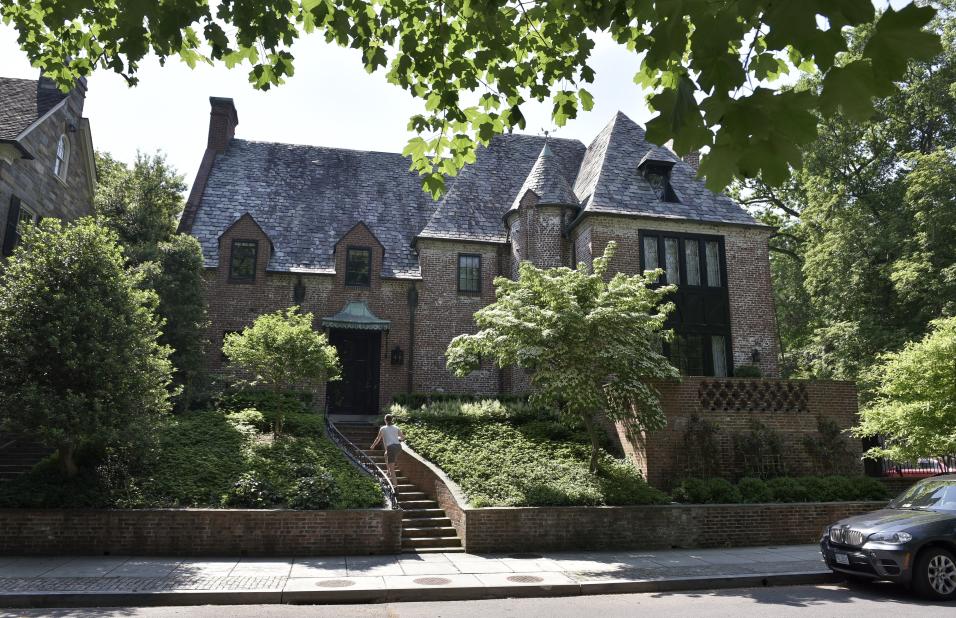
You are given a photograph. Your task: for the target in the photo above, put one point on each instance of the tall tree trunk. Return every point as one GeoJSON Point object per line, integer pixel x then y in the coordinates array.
{"type": "Point", "coordinates": [67, 465]}
{"type": "Point", "coordinates": [595, 444]}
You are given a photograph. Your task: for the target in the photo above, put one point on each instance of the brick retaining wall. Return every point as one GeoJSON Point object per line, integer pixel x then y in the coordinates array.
{"type": "Point", "coordinates": [199, 532]}
{"type": "Point", "coordinates": [652, 527]}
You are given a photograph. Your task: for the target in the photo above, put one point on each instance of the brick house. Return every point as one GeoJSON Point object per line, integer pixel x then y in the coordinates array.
{"type": "Point", "coordinates": [46, 155]}
{"type": "Point", "coordinates": [393, 276]}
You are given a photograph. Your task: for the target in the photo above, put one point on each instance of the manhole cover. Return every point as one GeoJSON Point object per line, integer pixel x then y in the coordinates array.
{"type": "Point", "coordinates": [525, 579]}
{"type": "Point", "coordinates": [336, 583]}
{"type": "Point", "coordinates": [432, 581]}
{"type": "Point", "coordinates": [526, 556]}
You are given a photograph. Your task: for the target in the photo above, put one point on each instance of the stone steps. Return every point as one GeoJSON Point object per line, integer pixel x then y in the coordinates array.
{"type": "Point", "coordinates": [425, 526]}
{"type": "Point", "coordinates": [18, 456]}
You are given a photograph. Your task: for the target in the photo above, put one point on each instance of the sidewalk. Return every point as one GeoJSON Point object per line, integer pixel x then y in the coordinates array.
{"type": "Point", "coordinates": [114, 580]}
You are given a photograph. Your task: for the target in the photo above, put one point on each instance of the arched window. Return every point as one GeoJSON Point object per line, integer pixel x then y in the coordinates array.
{"type": "Point", "coordinates": [62, 156]}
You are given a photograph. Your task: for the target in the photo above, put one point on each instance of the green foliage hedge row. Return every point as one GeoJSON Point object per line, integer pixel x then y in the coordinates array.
{"type": "Point", "coordinates": [213, 458]}
{"type": "Point", "coordinates": [417, 400]}
{"type": "Point", "coordinates": [780, 489]}
{"type": "Point", "coordinates": [512, 455]}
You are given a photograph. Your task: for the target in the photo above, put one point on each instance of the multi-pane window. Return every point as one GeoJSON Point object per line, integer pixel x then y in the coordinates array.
{"type": "Point", "coordinates": [358, 266]}
{"type": "Point", "coordinates": [469, 273]}
{"type": "Point", "coordinates": [701, 321]}
{"type": "Point", "coordinates": [242, 261]}
{"type": "Point", "coordinates": [19, 216]}
{"type": "Point", "coordinates": [62, 158]}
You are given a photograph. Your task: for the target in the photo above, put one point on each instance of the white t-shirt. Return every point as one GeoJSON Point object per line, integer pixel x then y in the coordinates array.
{"type": "Point", "coordinates": [389, 435]}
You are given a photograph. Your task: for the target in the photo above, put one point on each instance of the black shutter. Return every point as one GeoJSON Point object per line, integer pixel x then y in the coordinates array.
{"type": "Point", "coordinates": [10, 235]}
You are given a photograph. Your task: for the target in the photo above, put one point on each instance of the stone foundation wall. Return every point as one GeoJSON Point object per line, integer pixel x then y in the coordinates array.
{"type": "Point", "coordinates": [199, 532]}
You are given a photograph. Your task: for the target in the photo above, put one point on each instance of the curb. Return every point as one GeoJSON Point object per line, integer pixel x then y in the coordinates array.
{"type": "Point", "coordinates": [394, 595]}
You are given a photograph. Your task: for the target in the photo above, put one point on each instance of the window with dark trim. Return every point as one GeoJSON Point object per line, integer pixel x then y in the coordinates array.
{"type": "Point", "coordinates": [19, 215]}
{"type": "Point", "coordinates": [659, 177]}
{"type": "Point", "coordinates": [242, 261]}
{"type": "Point", "coordinates": [701, 320]}
{"type": "Point", "coordinates": [358, 266]}
{"type": "Point", "coordinates": [469, 273]}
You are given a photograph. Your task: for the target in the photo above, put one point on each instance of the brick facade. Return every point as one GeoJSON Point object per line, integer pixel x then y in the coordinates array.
{"type": "Point", "coordinates": [662, 457]}
{"type": "Point", "coordinates": [199, 532]}
{"type": "Point", "coordinates": [33, 181]}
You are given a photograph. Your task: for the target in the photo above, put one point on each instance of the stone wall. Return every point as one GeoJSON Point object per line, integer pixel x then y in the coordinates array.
{"type": "Point", "coordinates": [789, 407]}
{"type": "Point", "coordinates": [199, 532]}
{"type": "Point", "coordinates": [752, 318]}
{"type": "Point", "coordinates": [33, 181]}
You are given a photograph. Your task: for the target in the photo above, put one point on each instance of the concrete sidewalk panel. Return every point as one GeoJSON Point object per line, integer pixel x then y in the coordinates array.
{"type": "Point", "coordinates": [541, 584]}
{"type": "Point", "coordinates": [447, 587]}
{"type": "Point", "coordinates": [334, 590]}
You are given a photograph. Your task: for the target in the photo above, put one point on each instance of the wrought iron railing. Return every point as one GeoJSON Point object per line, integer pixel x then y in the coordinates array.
{"type": "Point", "coordinates": [923, 467]}
{"type": "Point", "coordinates": [363, 462]}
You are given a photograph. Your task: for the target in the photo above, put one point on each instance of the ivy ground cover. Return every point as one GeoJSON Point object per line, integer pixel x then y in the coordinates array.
{"type": "Point", "coordinates": [224, 457]}
{"type": "Point", "coordinates": [514, 455]}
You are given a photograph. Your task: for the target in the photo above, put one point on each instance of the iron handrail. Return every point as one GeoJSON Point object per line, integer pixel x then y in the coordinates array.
{"type": "Point", "coordinates": [361, 460]}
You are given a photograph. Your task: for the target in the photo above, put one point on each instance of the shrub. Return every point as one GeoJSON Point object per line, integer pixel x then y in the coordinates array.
{"type": "Point", "coordinates": [318, 491]}
{"type": "Point", "coordinates": [786, 489]}
{"type": "Point", "coordinates": [252, 490]}
{"type": "Point", "coordinates": [869, 489]}
{"type": "Point", "coordinates": [754, 491]}
{"type": "Point", "coordinates": [706, 491]}
{"type": "Point", "coordinates": [760, 451]}
{"type": "Point", "coordinates": [417, 400]}
{"type": "Point", "coordinates": [747, 371]}
{"type": "Point", "coordinates": [700, 450]}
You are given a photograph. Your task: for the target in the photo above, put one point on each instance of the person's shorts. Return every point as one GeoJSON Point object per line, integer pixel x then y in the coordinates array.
{"type": "Point", "coordinates": [391, 452]}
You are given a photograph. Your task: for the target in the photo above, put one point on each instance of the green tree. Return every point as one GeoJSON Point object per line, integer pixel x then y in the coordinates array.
{"type": "Point", "coordinates": [863, 257]}
{"type": "Point", "coordinates": [142, 204]}
{"type": "Point", "coordinates": [589, 344]}
{"type": "Point", "coordinates": [78, 342]}
{"type": "Point", "coordinates": [707, 66]}
{"type": "Point", "coordinates": [282, 351]}
{"type": "Point", "coordinates": [915, 407]}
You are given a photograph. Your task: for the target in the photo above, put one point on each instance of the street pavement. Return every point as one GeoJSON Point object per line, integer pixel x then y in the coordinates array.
{"type": "Point", "coordinates": [119, 581]}
{"type": "Point", "coordinates": [858, 600]}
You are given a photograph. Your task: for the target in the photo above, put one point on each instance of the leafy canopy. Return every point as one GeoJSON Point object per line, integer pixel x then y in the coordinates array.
{"type": "Point", "coordinates": [142, 204]}
{"type": "Point", "coordinates": [705, 64]}
{"type": "Point", "coordinates": [78, 342]}
{"type": "Point", "coordinates": [282, 350]}
{"type": "Point", "coordinates": [588, 344]}
{"type": "Point", "coordinates": [915, 407]}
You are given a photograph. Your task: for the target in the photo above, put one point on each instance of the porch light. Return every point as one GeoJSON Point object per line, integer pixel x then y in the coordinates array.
{"type": "Point", "coordinates": [398, 356]}
{"type": "Point", "coordinates": [755, 356]}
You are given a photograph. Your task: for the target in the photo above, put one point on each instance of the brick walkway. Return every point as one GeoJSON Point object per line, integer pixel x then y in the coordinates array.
{"type": "Point", "coordinates": [42, 581]}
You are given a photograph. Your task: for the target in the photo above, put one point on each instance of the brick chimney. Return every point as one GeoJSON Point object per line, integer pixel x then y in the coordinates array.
{"type": "Point", "coordinates": [692, 159]}
{"type": "Point", "coordinates": [222, 123]}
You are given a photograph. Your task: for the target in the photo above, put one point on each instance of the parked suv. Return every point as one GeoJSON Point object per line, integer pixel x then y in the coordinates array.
{"type": "Point", "coordinates": [912, 541]}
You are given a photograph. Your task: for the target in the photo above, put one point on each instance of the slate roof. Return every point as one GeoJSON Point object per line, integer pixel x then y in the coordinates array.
{"type": "Point", "coordinates": [305, 198]}
{"type": "Point", "coordinates": [22, 102]}
{"type": "Point", "coordinates": [473, 206]}
{"type": "Point", "coordinates": [608, 181]}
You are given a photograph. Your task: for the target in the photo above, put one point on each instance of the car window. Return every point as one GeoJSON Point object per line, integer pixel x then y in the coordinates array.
{"type": "Point", "coordinates": [928, 495]}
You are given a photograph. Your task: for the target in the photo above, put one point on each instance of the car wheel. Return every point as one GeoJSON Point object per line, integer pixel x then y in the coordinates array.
{"type": "Point", "coordinates": [934, 574]}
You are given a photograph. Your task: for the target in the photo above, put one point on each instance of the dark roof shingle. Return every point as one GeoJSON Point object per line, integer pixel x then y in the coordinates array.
{"type": "Point", "coordinates": [22, 102]}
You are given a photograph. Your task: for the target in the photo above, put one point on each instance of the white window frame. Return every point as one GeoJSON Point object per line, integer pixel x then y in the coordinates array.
{"type": "Point", "coordinates": [61, 160]}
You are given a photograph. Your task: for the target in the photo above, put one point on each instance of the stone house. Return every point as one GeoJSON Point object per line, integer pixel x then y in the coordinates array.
{"type": "Point", "coordinates": [393, 276]}
{"type": "Point", "coordinates": [46, 155]}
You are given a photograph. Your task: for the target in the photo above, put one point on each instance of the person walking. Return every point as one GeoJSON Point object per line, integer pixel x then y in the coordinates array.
{"type": "Point", "coordinates": [391, 438]}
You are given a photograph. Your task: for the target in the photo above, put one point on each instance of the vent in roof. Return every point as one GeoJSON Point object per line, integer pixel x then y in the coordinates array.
{"type": "Point", "coordinates": [657, 173]}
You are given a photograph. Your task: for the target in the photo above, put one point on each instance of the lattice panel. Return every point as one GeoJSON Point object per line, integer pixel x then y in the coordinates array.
{"type": "Point", "coordinates": [753, 396]}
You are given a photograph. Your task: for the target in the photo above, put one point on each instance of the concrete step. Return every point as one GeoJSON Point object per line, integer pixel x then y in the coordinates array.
{"type": "Point", "coordinates": [417, 504]}
{"type": "Point", "coordinates": [414, 513]}
{"type": "Point", "coordinates": [406, 486]}
{"type": "Point", "coordinates": [429, 541]}
{"type": "Point", "coordinates": [433, 550]}
{"type": "Point", "coordinates": [425, 522]}
{"type": "Point", "coordinates": [412, 495]}
{"type": "Point", "coordinates": [444, 532]}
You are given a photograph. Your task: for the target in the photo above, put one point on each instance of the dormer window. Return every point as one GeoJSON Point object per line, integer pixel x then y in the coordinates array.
{"type": "Point", "coordinates": [657, 173]}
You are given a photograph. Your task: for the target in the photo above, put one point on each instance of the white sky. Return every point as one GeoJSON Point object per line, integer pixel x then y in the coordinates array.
{"type": "Point", "coordinates": [331, 101]}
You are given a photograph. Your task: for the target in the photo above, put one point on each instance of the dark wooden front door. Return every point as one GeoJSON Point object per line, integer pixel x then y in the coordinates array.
{"type": "Point", "coordinates": [359, 354]}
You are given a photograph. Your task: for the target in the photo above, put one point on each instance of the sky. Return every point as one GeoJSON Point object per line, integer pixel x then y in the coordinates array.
{"type": "Point", "coordinates": [330, 101]}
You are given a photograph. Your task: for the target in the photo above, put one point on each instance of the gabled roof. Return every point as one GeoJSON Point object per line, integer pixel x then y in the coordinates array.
{"type": "Point", "coordinates": [548, 181]}
{"type": "Point", "coordinates": [473, 207]}
{"type": "Point", "coordinates": [305, 198]}
{"type": "Point", "coordinates": [23, 102]}
{"type": "Point", "coordinates": [609, 182]}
